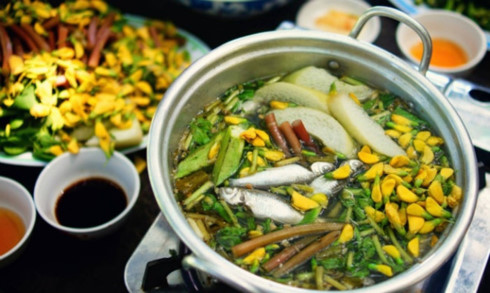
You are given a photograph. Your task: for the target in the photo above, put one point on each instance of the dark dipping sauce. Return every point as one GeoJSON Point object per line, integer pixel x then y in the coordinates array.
{"type": "Point", "coordinates": [90, 202]}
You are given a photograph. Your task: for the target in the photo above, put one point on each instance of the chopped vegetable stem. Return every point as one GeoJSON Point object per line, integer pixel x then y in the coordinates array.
{"type": "Point", "coordinates": [306, 253]}
{"type": "Point", "coordinates": [379, 250]}
{"type": "Point", "coordinates": [196, 195]}
{"type": "Point", "coordinates": [319, 277]}
{"type": "Point", "coordinates": [334, 283]}
{"type": "Point", "coordinates": [377, 228]}
{"type": "Point", "coordinates": [403, 253]}
{"type": "Point", "coordinates": [229, 212]}
{"type": "Point", "coordinates": [294, 231]}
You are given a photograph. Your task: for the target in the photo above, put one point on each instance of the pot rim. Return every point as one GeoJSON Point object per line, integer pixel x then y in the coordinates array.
{"type": "Point", "coordinates": [163, 189]}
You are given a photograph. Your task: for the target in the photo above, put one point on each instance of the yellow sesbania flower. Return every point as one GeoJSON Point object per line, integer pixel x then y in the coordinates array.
{"type": "Point", "coordinates": [427, 155]}
{"type": "Point", "coordinates": [376, 215]}
{"type": "Point", "coordinates": [73, 146]}
{"type": "Point", "coordinates": [423, 135]}
{"type": "Point", "coordinates": [105, 142]}
{"type": "Point", "coordinates": [244, 172]}
{"type": "Point", "coordinates": [401, 120]}
{"type": "Point", "coordinates": [140, 164]}
{"type": "Point", "coordinates": [260, 161]}
{"type": "Point", "coordinates": [366, 156]}
{"type": "Point", "coordinates": [376, 194]}
{"type": "Point", "coordinates": [40, 110]}
{"type": "Point", "coordinates": [435, 209]}
{"type": "Point", "coordinates": [371, 173]}
{"type": "Point", "coordinates": [419, 145]}
{"type": "Point", "coordinates": [16, 64]}
{"type": "Point", "coordinates": [399, 161]}
{"type": "Point", "coordinates": [387, 186]}
{"type": "Point", "coordinates": [213, 151]}
{"type": "Point", "coordinates": [255, 233]}
{"type": "Point", "coordinates": [405, 139]}
{"type": "Point", "coordinates": [145, 87]}
{"type": "Point", "coordinates": [302, 202]}
{"type": "Point", "coordinates": [406, 195]}
{"type": "Point", "coordinates": [56, 150]}
{"type": "Point", "coordinates": [415, 223]}
{"type": "Point", "coordinates": [278, 105]}
{"type": "Point", "coordinates": [347, 233]}
{"type": "Point", "coordinates": [446, 173]}
{"type": "Point", "coordinates": [233, 120]}
{"type": "Point", "coordinates": [384, 269]}
{"type": "Point", "coordinates": [435, 191]}
{"type": "Point", "coordinates": [393, 133]}
{"type": "Point", "coordinates": [257, 254]}
{"type": "Point", "coordinates": [394, 217]}
{"type": "Point", "coordinates": [354, 98]}
{"type": "Point", "coordinates": [392, 251]}
{"type": "Point", "coordinates": [340, 173]}
{"type": "Point", "coordinates": [434, 141]}
{"type": "Point", "coordinates": [415, 209]}
{"type": "Point", "coordinates": [321, 199]}
{"type": "Point", "coordinates": [413, 247]}
{"type": "Point", "coordinates": [255, 137]}
{"type": "Point", "coordinates": [273, 155]}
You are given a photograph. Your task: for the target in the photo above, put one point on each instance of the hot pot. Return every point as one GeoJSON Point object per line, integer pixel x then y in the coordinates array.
{"type": "Point", "coordinates": [269, 53]}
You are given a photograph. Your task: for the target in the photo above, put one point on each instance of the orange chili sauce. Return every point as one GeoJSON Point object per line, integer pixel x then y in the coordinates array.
{"type": "Point", "coordinates": [11, 230]}
{"type": "Point", "coordinates": [445, 53]}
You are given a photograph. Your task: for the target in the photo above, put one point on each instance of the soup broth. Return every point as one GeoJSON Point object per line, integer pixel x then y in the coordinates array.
{"type": "Point", "coordinates": [12, 230]}
{"type": "Point", "coordinates": [315, 181]}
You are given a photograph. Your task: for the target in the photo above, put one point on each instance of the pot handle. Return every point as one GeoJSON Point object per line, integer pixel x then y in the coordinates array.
{"type": "Point", "coordinates": [403, 18]}
{"type": "Point", "coordinates": [217, 271]}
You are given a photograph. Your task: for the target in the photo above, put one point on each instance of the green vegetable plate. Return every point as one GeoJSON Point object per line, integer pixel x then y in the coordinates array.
{"type": "Point", "coordinates": [480, 14]}
{"type": "Point", "coordinates": [194, 46]}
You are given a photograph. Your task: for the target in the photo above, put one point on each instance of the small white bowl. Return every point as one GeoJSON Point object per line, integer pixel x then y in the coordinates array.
{"type": "Point", "coordinates": [15, 198]}
{"type": "Point", "coordinates": [314, 9]}
{"type": "Point", "coordinates": [67, 169]}
{"type": "Point", "coordinates": [447, 25]}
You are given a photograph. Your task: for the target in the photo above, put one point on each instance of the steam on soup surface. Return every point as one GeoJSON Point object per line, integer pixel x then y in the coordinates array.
{"type": "Point", "coordinates": [315, 181]}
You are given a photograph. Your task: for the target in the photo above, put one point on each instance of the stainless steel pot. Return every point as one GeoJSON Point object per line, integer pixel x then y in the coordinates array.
{"type": "Point", "coordinates": [270, 53]}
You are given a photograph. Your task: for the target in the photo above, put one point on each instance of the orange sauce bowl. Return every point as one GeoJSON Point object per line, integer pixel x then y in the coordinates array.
{"type": "Point", "coordinates": [17, 219]}
{"type": "Point", "coordinates": [458, 43]}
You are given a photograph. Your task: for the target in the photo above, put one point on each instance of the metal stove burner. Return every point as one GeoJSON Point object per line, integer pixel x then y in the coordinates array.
{"type": "Point", "coordinates": [156, 265]}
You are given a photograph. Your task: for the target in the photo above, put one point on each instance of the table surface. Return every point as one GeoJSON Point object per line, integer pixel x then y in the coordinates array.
{"type": "Point", "coordinates": [55, 262]}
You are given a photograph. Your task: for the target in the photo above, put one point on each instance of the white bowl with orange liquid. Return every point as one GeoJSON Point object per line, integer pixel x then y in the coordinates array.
{"type": "Point", "coordinates": [458, 43]}
{"type": "Point", "coordinates": [17, 219]}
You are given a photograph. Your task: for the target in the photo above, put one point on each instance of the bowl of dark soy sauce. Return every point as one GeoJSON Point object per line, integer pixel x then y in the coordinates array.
{"type": "Point", "coordinates": [87, 195]}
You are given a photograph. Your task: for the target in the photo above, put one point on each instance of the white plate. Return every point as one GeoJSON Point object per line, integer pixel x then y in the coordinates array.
{"type": "Point", "coordinates": [313, 9]}
{"type": "Point", "coordinates": [409, 7]}
{"type": "Point", "coordinates": [194, 46]}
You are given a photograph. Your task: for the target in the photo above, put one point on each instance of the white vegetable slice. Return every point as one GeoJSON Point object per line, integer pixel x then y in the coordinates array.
{"type": "Point", "coordinates": [128, 137]}
{"type": "Point", "coordinates": [123, 138]}
{"type": "Point", "coordinates": [320, 125]}
{"type": "Point", "coordinates": [321, 80]}
{"type": "Point", "coordinates": [288, 92]}
{"type": "Point", "coordinates": [362, 127]}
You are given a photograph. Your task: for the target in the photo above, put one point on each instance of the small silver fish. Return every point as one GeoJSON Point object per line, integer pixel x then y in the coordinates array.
{"type": "Point", "coordinates": [355, 165]}
{"type": "Point", "coordinates": [322, 167]}
{"type": "Point", "coordinates": [327, 186]}
{"type": "Point", "coordinates": [331, 187]}
{"type": "Point", "coordinates": [283, 175]}
{"type": "Point", "coordinates": [263, 204]}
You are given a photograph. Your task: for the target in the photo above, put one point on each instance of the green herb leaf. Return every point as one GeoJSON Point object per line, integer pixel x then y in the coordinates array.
{"type": "Point", "coordinates": [230, 236]}
{"type": "Point", "coordinates": [201, 131]}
